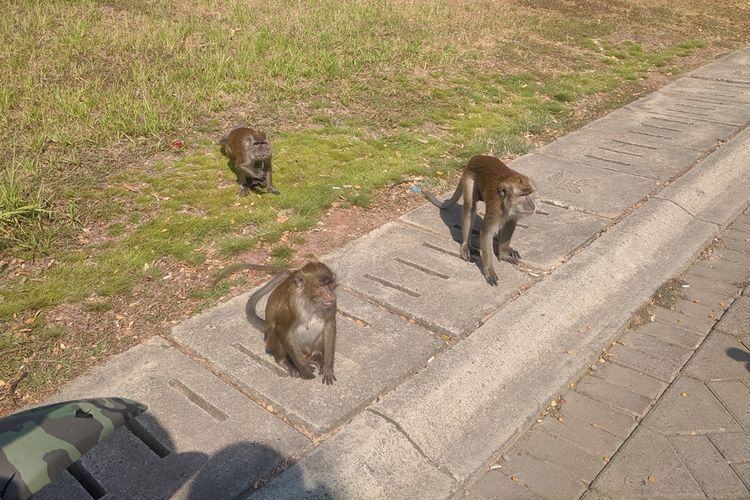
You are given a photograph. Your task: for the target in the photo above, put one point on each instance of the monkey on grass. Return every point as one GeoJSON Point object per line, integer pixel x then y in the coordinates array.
{"type": "Point", "coordinates": [250, 158]}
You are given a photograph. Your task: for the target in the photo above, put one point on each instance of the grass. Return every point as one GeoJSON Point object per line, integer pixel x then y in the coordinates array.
{"type": "Point", "coordinates": [109, 114]}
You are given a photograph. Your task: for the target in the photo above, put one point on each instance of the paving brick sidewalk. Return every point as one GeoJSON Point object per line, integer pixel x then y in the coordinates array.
{"type": "Point", "coordinates": [665, 412]}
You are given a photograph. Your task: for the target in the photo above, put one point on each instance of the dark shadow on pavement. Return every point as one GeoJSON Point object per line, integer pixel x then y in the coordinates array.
{"type": "Point", "coordinates": [452, 219]}
{"type": "Point", "coordinates": [741, 355]}
{"type": "Point", "coordinates": [140, 462]}
{"type": "Point", "coordinates": [234, 471]}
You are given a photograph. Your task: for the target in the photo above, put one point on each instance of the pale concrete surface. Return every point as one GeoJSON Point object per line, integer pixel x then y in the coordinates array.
{"type": "Point", "coordinates": [415, 274]}
{"type": "Point", "coordinates": [544, 241]}
{"type": "Point", "coordinates": [689, 400]}
{"type": "Point", "coordinates": [583, 187]}
{"type": "Point", "coordinates": [439, 374]}
{"type": "Point", "coordinates": [366, 337]}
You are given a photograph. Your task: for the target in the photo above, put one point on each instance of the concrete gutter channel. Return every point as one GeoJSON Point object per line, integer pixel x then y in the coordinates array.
{"type": "Point", "coordinates": [437, 372]}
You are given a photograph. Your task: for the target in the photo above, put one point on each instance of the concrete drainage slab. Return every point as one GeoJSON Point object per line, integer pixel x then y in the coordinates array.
{"type": "Point", "coordinates": [367, 336]}
{"type": "Point", "coordinates": [722, 94]}
{"type": "Point", "coordinates": [575, 185]}
{"type": "Point", "coordinates": [544, 240]}
{"type": "Point", "coordinates": [187, 453]}
{"type": "Point", "coordinates": [421, 276]}
{"type": "Point", "coordinates": [621, 152]}
{"type": "Point", "coordinates": [686, 110]}
{"type": "Point", "coordinates": [731, 73]}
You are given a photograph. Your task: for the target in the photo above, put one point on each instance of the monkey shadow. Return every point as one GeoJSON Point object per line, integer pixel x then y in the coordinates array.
{"type": "Point", "coordinates": [741, 355]}
{"type": "Point", "coordinates": [451, 217]}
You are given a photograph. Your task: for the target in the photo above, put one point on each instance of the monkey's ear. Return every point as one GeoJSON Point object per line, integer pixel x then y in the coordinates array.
{"type": "Point", "coordinates": [298, 279]}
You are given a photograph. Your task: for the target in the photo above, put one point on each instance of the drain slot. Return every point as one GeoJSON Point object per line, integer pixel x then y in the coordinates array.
{"type": "Point", "coordinates": [199, 401]}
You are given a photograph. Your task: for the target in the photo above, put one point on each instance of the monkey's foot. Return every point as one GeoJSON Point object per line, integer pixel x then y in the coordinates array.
{"type": "Point", "coordinates": [273, 190]}
{"type": "Point", "coordinates": [492, 278]}
{"type": "Point", "coordinates": [511, 256]}
{"type": "Point", "coordinates": [465, 252]}
{"type": "Point", "coordinates": [328, 377]}
{"type": "Point", "coordinates": [244, 190]}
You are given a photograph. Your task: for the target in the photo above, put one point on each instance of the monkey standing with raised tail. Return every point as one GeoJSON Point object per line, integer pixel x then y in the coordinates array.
{"type": "Point", "coordinates": [250, 158]}
{"type": "Point", "coordinates": [300, 324]}
{"type": "Point", "coordinates": [507, 196]}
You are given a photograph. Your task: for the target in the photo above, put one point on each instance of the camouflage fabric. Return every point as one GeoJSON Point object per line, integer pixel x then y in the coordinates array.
{"type": "Point", "coordinates": [38, 444]}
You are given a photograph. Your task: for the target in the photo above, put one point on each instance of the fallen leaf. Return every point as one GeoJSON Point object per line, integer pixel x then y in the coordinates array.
{"type": "Point", "coordinates": [445, 337]}
{"type": "Point", "coordinates": [594, 425]}
{"type": "Point", "coordinates": [553, 403]}
{"type": "Point", "coordinates": [269, 407]}
{"type": "Point", "coordinates": [606, 459]}
{"type": "Point", "coordinates": [651, 478]}
{"type": "Point", "coordinates": [2, 383]}
{"type": "Point", "coordinates": [514, 478]}
{"type": "Point", "coordinates": [684, 394]}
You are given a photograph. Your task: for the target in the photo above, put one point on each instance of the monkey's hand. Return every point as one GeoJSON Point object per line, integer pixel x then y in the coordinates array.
{"type": "Point", "coordinates": [511, 256]}
{"type": "Point", "coordinates": [328, 376]}
{"type": "Point", "coordinates": [466, 252]}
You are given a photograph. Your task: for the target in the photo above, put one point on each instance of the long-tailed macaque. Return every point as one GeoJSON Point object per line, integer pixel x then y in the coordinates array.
{"type": "Point", "coordinates": [250, 158]}
{"type": "Point", "coordinates": [507, 196]}
{"type": "Point", "coordinates": [300, 324]}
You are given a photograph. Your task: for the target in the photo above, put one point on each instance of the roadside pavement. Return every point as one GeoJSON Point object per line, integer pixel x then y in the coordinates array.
{"type": "Point", "coordinates": [665, 410]}
{"type": "Point", "coordinates": [440, 376]}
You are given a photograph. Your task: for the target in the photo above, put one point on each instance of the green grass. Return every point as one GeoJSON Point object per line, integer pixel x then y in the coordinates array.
{"type": "Point", "coordinates": [356, 96]}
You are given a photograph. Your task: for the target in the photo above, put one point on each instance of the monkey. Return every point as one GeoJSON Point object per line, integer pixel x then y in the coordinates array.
{"type": "Point", "coordinates": [507, 196]}
{"type": "Point", "coordinates": [300, 324]}
{"type": "Point", "coordinates": [250, 157]}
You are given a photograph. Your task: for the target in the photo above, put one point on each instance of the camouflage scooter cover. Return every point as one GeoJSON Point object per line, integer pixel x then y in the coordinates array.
{"type": "Point", "coordinates": [38, 444]}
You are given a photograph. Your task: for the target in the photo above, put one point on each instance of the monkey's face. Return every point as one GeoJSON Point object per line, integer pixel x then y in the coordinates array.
{"type": "Point", "coordinates": [261, 150]}
{"type": "Point", "coordinates": [522, 196]}
{"type": "Point", "coordinates": [324, 292]}
{"type": "Point", "coordinates": [318, 283]}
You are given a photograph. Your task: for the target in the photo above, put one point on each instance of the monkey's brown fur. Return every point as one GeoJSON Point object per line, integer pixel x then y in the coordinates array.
{"type": "Point", "coordinates": [300, 324]}
{"type": "Point", "coordinates": [507, 196]}
{"type": "Point", "coordinates": [250, 158]}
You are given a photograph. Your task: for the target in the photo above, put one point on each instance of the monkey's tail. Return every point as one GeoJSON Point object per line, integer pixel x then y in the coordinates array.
{"type": "Point", "coordinates": [252, 302]}
{"type": "Point", "coordinates": [229, 270]}
{"type": "Point", "coordinates": [447, 203]}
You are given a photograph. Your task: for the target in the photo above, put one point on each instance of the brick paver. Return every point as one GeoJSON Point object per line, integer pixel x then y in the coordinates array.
{"type": "Point", "coordinates": [666, 410]}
